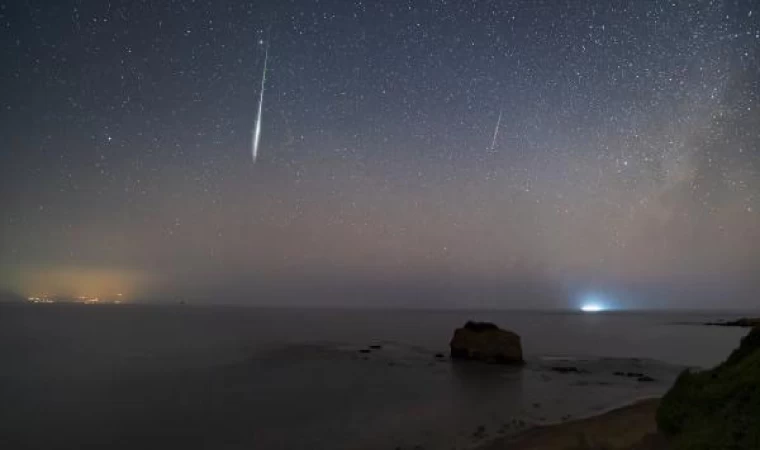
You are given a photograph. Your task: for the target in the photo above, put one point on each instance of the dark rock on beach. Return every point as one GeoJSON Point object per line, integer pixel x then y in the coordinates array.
{"type": "Point", "coordinates": [639, 376]}
{"type": "Point", "coordinates": [487, 342]}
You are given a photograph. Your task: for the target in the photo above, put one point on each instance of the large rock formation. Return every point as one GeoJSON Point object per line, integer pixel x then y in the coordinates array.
{"type": "Point", "coordinates": [486, 342]}
{"type": "Point", "coordinates": [717, 408]}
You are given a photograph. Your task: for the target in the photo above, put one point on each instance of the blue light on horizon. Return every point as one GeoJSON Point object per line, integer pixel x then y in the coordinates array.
{"type": "Point", "coordinates": [594, 303]}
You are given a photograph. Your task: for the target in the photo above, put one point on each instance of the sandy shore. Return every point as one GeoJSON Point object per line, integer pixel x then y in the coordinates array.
{"type": "Point", "coordinates": [632, 427]}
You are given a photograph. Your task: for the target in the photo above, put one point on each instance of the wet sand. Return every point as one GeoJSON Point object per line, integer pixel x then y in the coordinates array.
{"type": "Point", "coordinates": [631, 427]}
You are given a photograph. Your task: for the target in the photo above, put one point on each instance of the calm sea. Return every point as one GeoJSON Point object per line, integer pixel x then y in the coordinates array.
{"type": "Point", "coordinates": [159, 377]}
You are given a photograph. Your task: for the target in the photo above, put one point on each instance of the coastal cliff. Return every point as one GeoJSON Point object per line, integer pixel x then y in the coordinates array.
{"type": "Point", "coordinates": [717, 408]}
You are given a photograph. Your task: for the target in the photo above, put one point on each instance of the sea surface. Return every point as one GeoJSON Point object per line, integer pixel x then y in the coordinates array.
{"type": "Point", "coordinates": [192, 377]}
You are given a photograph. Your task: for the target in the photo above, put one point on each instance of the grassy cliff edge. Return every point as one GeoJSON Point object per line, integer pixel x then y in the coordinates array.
{"type": "Point", "coordinates": [717, 408]}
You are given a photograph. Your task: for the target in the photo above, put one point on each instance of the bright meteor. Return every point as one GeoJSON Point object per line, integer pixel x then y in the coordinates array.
{"type": "Point", "coordinates": [257, 128]}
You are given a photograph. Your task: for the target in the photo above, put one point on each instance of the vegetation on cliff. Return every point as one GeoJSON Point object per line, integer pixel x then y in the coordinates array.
{"type": "Point", "coordinates": [717, 408]}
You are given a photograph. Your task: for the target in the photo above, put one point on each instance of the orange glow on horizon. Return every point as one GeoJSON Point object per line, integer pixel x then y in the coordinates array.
{"type": "Point", "coordinates": [87, 285]}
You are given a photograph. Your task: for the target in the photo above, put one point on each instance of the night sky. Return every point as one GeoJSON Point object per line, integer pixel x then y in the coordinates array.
{"type": "Point", "coordinates": [626, 163]}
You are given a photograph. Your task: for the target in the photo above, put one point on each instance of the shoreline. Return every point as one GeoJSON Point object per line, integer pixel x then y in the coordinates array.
{"type": "Point", "coordinates": [630, 427]}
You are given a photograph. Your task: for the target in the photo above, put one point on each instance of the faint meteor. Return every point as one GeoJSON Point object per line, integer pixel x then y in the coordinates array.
{"type": "Point", "coordinates": [496, 132]}
{"type": "Point", "coordinates": [257, 128]}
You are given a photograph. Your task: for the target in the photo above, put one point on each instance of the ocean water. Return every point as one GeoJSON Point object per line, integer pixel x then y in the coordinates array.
{"type": "Point", "coordinates": [158, 377]}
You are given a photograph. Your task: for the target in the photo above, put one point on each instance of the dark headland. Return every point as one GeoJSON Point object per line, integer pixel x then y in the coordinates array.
{"type": "Point", "coordinates": [744, 322]}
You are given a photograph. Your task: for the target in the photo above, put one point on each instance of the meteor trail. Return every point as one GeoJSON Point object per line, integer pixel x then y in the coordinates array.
{"type": "Point", "coordinates": [496, 132]}
{"type": "Point", "coordinates": [257, 128]}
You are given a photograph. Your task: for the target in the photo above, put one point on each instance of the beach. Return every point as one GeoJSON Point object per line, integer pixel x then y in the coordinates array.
{"type": "Point", "coordinates": [631, 427]}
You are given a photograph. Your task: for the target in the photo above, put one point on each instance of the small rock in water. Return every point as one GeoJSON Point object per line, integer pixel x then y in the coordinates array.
{"type": "Point", "coordinates": [646, 378]}
{"type": "Point", "coordinates": [537, 405]}
{"type": "Point", "coordinates": [440, 355]}
{"type": "Point", "coordinates": [565, 369]}
{"type": "Point", "coordinates": [364, 350]}
{"type": "Point", "coordinates": [479, 432]}
{"type": "Point", "coordinates": [376, 347]}
{"type": "Point", "coordinates": [629, 374]}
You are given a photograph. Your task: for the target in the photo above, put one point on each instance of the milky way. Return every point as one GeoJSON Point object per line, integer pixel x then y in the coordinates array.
{"type": "Point", "coordinates": [625, 157]}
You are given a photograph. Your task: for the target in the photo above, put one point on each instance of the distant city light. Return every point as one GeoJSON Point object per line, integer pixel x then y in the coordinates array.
{"type": "Point", "coordinates": [80, 299]}
{"type": "Point", "coordinates": [87, 300]}
{"type": "Point", "coordinates": [42, 299]}
{"type": "Point", "coordinates": [591, 307]}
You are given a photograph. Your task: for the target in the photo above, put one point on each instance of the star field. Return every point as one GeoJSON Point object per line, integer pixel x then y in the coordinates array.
{"type": "Point", "coordinates": [627, 156]}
